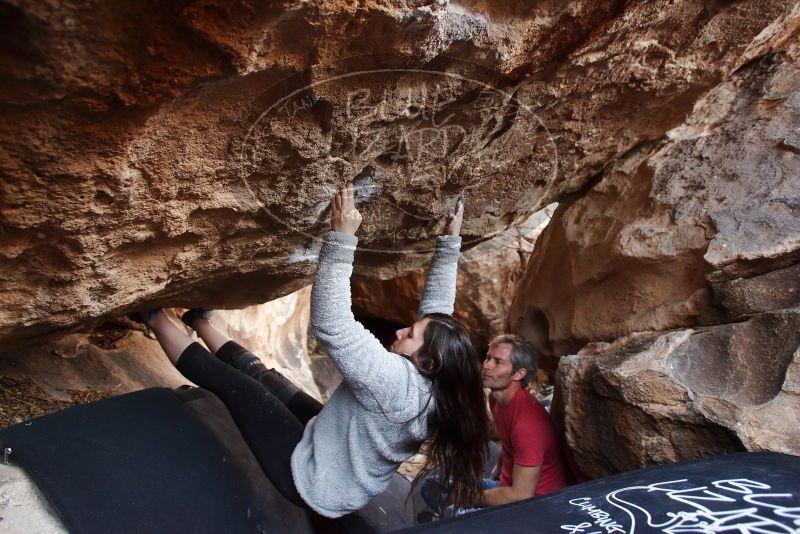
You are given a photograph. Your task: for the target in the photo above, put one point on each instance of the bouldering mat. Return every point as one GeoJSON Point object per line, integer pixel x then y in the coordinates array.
{"type": "Point", "coordinates": [742, 493]}
{"type": "Point", "coordinates": [164, 461]}
{"type": "Point", "coordinates": [139, 462]}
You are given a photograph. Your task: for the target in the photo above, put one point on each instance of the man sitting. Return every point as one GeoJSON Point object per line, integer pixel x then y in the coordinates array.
{"type": "Point", "coordinates": [529, 463]}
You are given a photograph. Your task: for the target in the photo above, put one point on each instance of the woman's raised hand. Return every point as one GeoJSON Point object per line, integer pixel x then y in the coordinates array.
{"type": "Point", "coordinates": [344, 215]}
{"type": "Point", "coordinates": [455, 218]}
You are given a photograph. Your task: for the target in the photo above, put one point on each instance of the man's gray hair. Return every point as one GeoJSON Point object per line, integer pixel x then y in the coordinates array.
{"type": "Point", "coordinates": [523, 355]}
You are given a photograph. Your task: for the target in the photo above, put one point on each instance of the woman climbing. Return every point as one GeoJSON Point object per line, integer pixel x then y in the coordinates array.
{"type": "Point", "coordinates": [426, 388]}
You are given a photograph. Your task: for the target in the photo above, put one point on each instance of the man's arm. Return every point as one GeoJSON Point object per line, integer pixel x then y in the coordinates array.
{"type": "Point", "coordinates": [498, 468]}
{"type": "Point", "coordinates": [494, 435]}
{"type": "Point", "coordinates": [524, 481]}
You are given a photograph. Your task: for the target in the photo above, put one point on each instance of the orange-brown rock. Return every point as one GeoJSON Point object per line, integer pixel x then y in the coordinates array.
{"type": "Point", "coordinates": [657, 398]}
{"type": "Point", "coordinates": [660, 241]}
{"type": "Point", "coordinates": [105, 362]}
{"type": "Point", "coordinates": [680, 266]}
{"type": "Point", "coordinates": [158, 154]}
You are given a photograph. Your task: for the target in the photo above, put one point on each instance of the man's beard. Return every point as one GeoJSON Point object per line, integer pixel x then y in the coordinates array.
{"type": "Point", "coordinates": [496, 387]}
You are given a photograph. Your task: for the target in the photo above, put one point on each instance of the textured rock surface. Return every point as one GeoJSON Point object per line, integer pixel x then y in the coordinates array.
{"type": "Point", "coordinates": [742, 297]}
{"type": "Point", "coordinates": [142, 163]}
{"type": "Point", "coordinates": [675, 223]}
{"type": "Point", "coordinates": [111, 362]}
{"type": "Point", "coordinates": [23, 508]}
{"type": "Point", "coordinates": [700, 229]}
{"type": "Point", "coordinates": [657, 398]}
{"type": "Point", "coordinates": [487, 277]}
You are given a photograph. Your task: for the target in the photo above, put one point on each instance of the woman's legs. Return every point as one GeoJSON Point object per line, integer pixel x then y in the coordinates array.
{"type": "Point", "coordinates": [172, 339]}
{"type": "Point", "coordinates": [213, 338]}
{"type": "Point", "coordinates": [302, 405]}
{"type": "Point", "coordinates": [269, 428]}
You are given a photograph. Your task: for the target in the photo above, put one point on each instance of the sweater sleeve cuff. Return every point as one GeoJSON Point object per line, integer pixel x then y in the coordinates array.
{"type": "Point", "coordinates": [448, 247]}
{"type": "Point", "coordinates": [339, 247]}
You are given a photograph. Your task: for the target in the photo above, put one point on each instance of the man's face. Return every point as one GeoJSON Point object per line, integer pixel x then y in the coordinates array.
{"type": "Point", "coordinates": [498, 372]}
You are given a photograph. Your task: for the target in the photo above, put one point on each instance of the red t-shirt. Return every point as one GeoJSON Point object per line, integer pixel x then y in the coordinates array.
{"type": "Point", "coordinates": [527, 438]}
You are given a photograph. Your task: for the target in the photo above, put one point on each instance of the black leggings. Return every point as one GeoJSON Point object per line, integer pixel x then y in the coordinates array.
{"type": "Point", "coordinates": [270, 411]}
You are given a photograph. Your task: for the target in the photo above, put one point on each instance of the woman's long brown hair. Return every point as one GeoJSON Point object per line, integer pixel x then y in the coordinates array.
{"type": "Point", "coordinates": [458, 427]}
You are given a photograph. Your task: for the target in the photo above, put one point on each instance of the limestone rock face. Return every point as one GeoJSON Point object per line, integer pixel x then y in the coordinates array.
{"type": "Point", "coordinates": [487, 277]}
{"type": "Point", "coordinates": [184, 154]}
{"type": "Point", "coordinates": [698, 228]}
{"type": "Point", "coordinates": [657, 398]}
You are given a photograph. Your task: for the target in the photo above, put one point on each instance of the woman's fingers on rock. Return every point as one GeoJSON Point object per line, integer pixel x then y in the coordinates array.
{"type": "Point", "coordinates": [343, 203]}
{"type": "Point", "coordinates": [456, 212]}
{"type": "Point", "coordinates": [348, 194]}
{"type": "Point", "coordinates": [351, 196]}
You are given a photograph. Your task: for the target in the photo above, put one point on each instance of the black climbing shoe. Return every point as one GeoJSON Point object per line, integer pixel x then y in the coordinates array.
{"type": "Point", "coordinates": [143, 317]}
{"type": "Point", "coordinates": [190, 316]}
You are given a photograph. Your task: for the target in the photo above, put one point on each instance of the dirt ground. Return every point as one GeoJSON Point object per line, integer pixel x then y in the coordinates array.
{"type": "Point", "coordinates": [22, 399]}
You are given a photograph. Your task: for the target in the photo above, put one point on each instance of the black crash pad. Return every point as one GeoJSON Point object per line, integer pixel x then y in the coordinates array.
{"type": "Point", "coordinates": [139, 462]}
{"type": "Point", "coordinates": [162, 461]}
{"type": "Point", "coordinates": [736, 493]}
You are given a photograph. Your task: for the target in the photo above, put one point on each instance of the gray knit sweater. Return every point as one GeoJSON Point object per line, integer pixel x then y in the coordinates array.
{"type": "Point", "coordinates": [377, 417]}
